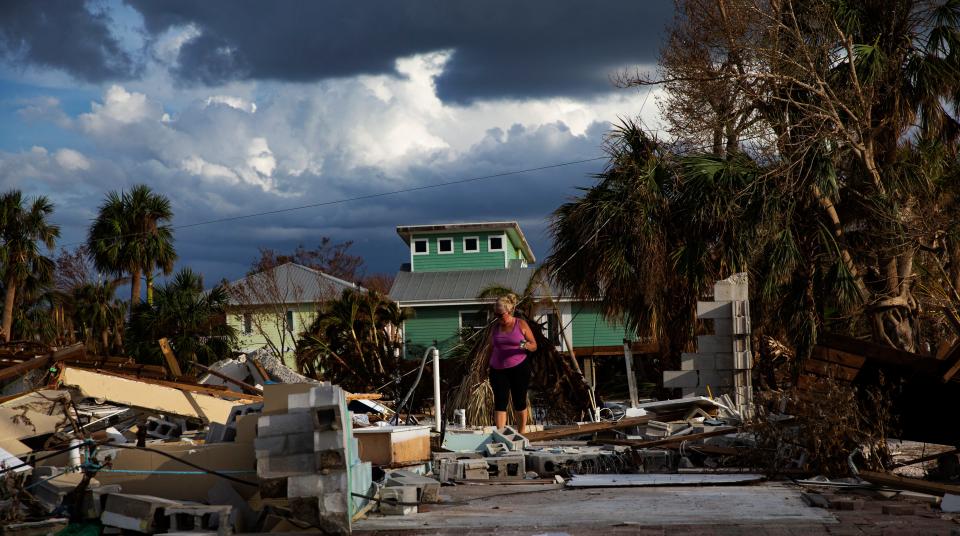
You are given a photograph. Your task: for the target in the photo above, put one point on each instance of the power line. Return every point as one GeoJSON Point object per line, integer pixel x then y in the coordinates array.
{"type": "Point", "coordinates": [369, 196]}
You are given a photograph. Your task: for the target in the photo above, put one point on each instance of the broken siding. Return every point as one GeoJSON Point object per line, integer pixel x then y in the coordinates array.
{"type": "Point", "coordinates": [591, 329]}
{"type": "Point", "coordinates": [459, 260]}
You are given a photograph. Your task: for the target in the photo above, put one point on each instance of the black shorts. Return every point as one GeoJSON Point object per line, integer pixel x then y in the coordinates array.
{"type": "Point", "coordinates": [513, 381]}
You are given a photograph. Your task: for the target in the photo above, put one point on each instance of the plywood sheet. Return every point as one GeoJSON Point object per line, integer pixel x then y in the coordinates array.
{"type": "Point", "coordinates": [131, 392]}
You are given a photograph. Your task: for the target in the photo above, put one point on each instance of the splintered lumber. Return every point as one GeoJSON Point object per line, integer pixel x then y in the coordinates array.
{"type": "Point", "coordinates": [667, 441]}
{"type": "Point", "coordinates": [927, 458]}
{"type": "Point", "coordinates": [148, 395]}
{"type": "Point", "coordinates": [73, 351]}
{"type": "Point", "coordinates": [364, 396]}
{"type": "Point", "coordinates": [243, 385]}
{"type": "Point", "coordinates": [171, 359]}
{"type": "Point", "coordinates": [587, 428]}
{"type": "Point", "coordinates": [909, 484]}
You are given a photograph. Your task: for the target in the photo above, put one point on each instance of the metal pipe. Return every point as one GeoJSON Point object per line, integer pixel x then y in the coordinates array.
{"type": "Point", "coordinates": [436, 388]}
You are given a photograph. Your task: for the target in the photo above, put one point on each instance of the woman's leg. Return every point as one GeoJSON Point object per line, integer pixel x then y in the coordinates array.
{"type": "Point", "coordinates": [500, 384]}
{"type": "Point", "coordinates": [519, 384]}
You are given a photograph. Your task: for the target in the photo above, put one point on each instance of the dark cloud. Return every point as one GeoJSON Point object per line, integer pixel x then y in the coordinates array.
{"type": "Point", "coordinates": [63, 34]}
{"type": "Point", "coordinates": [502, 48]}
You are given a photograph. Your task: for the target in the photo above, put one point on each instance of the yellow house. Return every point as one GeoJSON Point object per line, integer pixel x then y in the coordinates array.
{"type": "Point", "coordinates": [271, 308]}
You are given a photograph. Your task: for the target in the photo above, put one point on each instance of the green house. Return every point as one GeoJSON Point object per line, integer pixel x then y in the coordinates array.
{"type": "Point", "coordinates": [451, 264]}
{"type": "Point", "coordinates": [270, 308]}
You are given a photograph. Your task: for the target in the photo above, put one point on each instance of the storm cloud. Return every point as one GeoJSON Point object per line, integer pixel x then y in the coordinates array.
{"type": "Point", "coordinates": [500, 48]}
{"type": "Point", "coordinates": [65, 35]}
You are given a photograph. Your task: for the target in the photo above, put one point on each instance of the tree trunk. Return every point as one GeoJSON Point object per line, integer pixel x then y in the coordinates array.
{"type": "Point", "coordinates": [8, 299]}
{"type": "Point", "coordinates": [895, 319]}
{"type": "Point", "coordinates": [135, 286]}
{"type": "Point", "coordinates": [150, 287]}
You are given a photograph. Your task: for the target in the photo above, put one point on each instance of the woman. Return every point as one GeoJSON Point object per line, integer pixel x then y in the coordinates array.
{"type": "Point", "coordinates": [511, 339]}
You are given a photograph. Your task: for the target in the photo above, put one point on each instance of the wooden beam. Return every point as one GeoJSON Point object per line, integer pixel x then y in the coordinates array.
{"type": "Point", "coordinates": [909, 484]}
{"type": "Point", "coordinates": [243, 385]}
{"type": "Point", "coordinates": [675, 440]}
{"type": "Point", "coordinates": [951, 363]}
{"type": "Point", "coordinates": [69, 352]}
{"type": "Point", "coordinates": [364, 396]}
{"type": "Point", "coordinates": [587, 428]}
{"type": "Point", "coordinates": [215, 390]}
{"type": "Point", "coordinates": [927, 458]}
{"type": "Point", "coordinates": [171, 359]}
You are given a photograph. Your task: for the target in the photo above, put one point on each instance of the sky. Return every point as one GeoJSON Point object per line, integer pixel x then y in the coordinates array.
{"type": "Point", "coordinates": [233, 108]}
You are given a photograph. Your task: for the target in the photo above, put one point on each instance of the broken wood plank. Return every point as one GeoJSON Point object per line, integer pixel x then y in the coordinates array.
{"type": "Point", "coordinates": [69, 352]}
{"type": "Point", "coordinates": [171, 359]}
{"type": "Point", "coordinates": [214, 390]}
{"type": "Point", "coordinates": [364, 396]}
{"type": "Point", "coordinates": [927, 458]}
{"type": "Point", "coordinates": [141, 393]}
{"type": "Point", "coordinates": [667, 441]}
{"type": "Point", "coordinates": [830, 370]}
{"type": "Point", "coordinates": [909, 484]}
{"type": "Point", "coordinates": [951, 363]}
{"type": "Point", "coordinates": [587, 428]}
{"type": "Point", "coordinates": [243, 385]}
{"type": "Point", "coordinates": [840, 357]}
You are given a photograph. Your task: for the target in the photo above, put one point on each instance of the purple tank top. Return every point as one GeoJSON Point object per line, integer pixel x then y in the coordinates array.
{"type": "Point", "coordinates": [506, 347]}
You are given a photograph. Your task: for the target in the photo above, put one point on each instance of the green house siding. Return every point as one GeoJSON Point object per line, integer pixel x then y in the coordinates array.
{"type": "Point", "coordinates": [433, 261]}
{"type": "Point", "coordinates": [431, 324]}
{"type": "Point", "coordinates": [266, 324]}
{"type": "Point", "coordinates": [591, 329]}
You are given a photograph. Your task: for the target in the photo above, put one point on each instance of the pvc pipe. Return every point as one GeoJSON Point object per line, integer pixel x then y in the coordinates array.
{"type": "Point", "coordinates": [75, 453]}
{"type": "Point", "coordinates": [436, 388]}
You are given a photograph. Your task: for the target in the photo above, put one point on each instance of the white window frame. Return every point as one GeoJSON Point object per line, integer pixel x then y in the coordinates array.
{"type": "Point", "coordinates": [503, 243]}
{"type": "Point", "coordinates": [465, 250]}
{"type": "Point", "coordinates": [452, 248]}
{"type": "Point", "coordinates": [413, 246]}
{"type": "Point", "coordinates": [246, 323]}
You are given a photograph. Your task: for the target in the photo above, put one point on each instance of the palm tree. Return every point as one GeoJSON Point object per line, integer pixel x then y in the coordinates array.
{"type": "Point", "coordinates": [188, 317]}
{"type": "Point", "coordinates": [128, 237]}
{"type": "Point", "coordinates": [23, 224]}
{"type": "Point", "coordinates": [97, 314]}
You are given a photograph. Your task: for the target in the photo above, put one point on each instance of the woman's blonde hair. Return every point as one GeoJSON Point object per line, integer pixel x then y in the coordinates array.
{"type": "Point", "coordinates": [510, 300]}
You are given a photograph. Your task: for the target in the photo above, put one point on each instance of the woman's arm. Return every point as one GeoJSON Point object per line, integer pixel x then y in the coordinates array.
{"type": "Point", "coordinates": [531, 344]}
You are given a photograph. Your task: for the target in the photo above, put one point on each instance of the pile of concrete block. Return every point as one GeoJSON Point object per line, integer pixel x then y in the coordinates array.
{"type": "Point", "coordinates": [305, 445]}
{"type": "Point", "coordinates": [549, 462]}
{"type": "Point", "coordinates": [723, 361]}
{"type": "Point", "coordinates": [498, 456]}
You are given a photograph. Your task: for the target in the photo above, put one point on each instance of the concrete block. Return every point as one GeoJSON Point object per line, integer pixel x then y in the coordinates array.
{"type": "Point", "coordinates": [331, 439]}
{"type": "Point", "coordinates": [656, 461]}
{"type": "Point", "coordinates": [742, 360]}
{"type": "Point", "coordinates": [447, 470]}
{"type": "Point", "coordinates": [317, 484]}
{"type": "Point", "coordinates": [284, 445]}
{"type": "Point", "coordinates": [716, 379]}
{"type": "Point", "coordinates": [723, 361]}
{"type": "Point", "coordinates": [402, 494]}
{"type": "Point", "coordinates": [199, 517]}
{"type": "Point", "coordinates": [330, 459]}
{"type": "Point", "coordinates": [162, 428]}
{"type": "Point", "coordinates": [324, 396]}
{"type": "Point", "coordinates": [680, 378]}
{"type": "Point", "coordinates": [474, 469]}
{"type": "Point", "coordinates": [740, 326]}
{"type": "Point", "coordinates": [284, 424]}
{"type": "Point", "coordinates": [741, 309]}
{"type": "Point", "coordinates": [133, 512]}
{"type": "Point", "coordinates": [510, 438]}
{"type": "Point", "coordinates": [286, 466]}
{"type": "Point", "coordinates": [714, 309]}
{"type": "Point", "coordinates": [688, 361]}
{"type": "Point", "coordinates": [326, 515]}
{"type": "Point", "coordinates": [713, 344]}
{"type": "Point", "coordinates": [428, 489]}
{"type": "Point", "coordinates": [221, 433]}
{"type": "Point", "coordinates": [511, 467]}
{"type": "Point", "coordinates": [732, 288]}
{"type": "Point", "coordinates": [275, 396]}
{"type": "Point", "coordinates": [245, 409]}
{"type": "Point", "coordinates": [494, 449]}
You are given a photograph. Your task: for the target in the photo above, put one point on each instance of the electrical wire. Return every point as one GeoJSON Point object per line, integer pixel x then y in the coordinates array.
{"type": "Point", "coordinates": [187, 463]}
{"type": "Point", "coordinates": [362, 197]}
{"type": "Point", "coordinates": [41, 458]}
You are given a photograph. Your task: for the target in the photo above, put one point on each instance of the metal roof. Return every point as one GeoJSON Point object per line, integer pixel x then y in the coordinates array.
{"type": "Point", "coordinates": [410, 288]}
{"type": "Point", "coordinates": [512, 228]}
{"type": "Point", "coordinates": [287, 283]}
